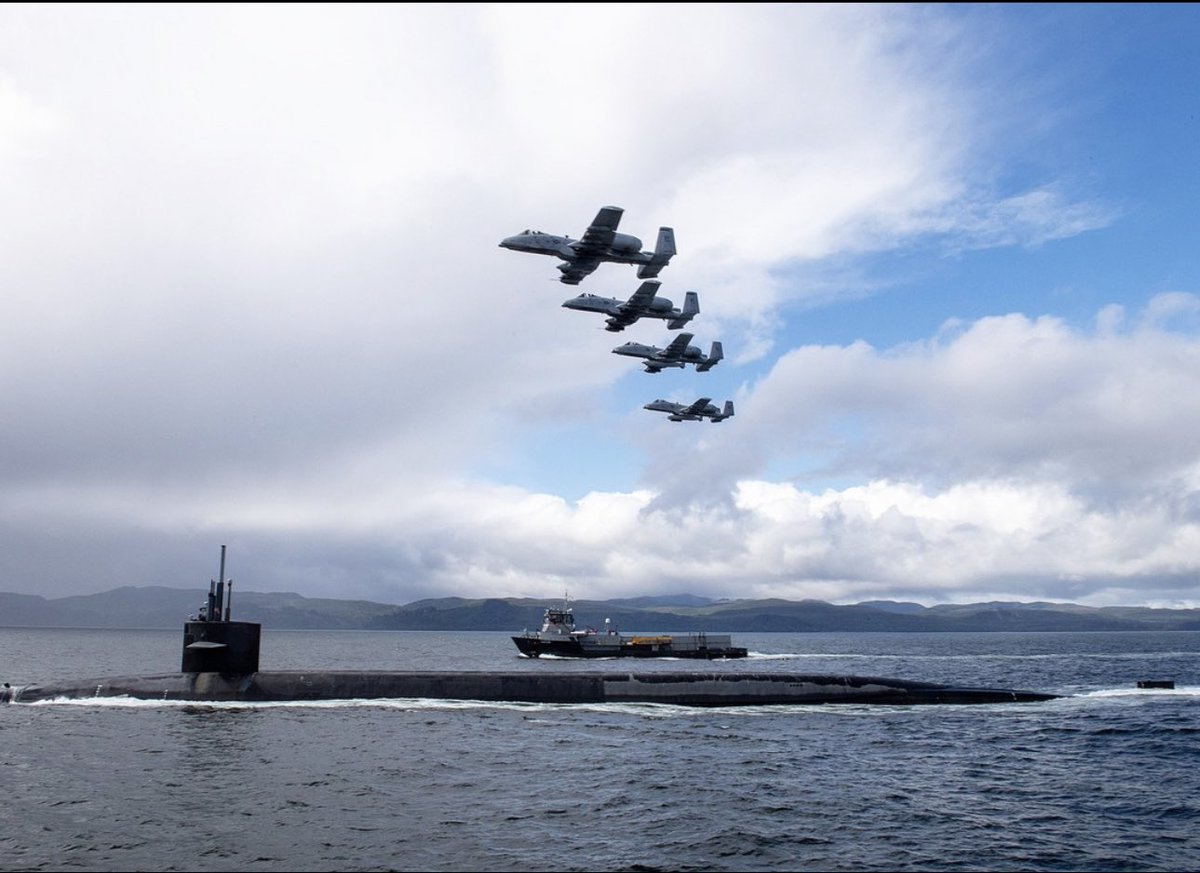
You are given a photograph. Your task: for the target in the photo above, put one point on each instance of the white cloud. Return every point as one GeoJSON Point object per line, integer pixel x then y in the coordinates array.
{"type": "Point", "coordinates": [254, 293]}
{"type": "Point", "coordinates": [1003, 396]}
{"type": "Point", "coordinates": [23, 123]}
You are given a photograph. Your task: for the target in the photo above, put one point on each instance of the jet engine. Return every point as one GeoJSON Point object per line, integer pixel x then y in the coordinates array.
{"type": "Point", "coordinates": [623, 242]}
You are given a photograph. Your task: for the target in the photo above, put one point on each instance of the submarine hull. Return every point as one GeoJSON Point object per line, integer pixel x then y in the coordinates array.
{"type": "Point", "coordinates": [680, 689]}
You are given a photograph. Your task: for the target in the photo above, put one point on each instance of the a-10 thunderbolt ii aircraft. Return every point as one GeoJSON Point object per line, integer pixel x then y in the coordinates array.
{"type": "Point", "coordinates": [643, 304]}
{"type": "Point", "coordinates": [600, 243]}
{"type": "Point", "coordinates": [698, 411]}
{"type": "Point", "coordinates": [677, 354]}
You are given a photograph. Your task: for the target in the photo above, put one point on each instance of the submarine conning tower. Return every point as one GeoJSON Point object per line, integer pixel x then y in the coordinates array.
{"type": "Point", "coordinates": [213, 642]}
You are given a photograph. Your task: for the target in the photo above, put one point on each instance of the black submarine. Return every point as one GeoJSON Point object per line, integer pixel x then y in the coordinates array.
{"type": "Point", "coordinates": [220, 664]}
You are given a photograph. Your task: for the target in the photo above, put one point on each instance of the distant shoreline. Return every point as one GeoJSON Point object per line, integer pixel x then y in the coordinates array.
{"type": "Point", "coordinates": [161, 608]}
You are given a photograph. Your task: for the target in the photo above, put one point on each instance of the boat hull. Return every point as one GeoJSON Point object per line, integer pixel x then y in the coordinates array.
{"type": "Point", "coordinates": [534, 647]}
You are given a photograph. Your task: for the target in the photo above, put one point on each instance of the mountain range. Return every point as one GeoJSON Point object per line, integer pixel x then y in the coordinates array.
{"type": "Point", "coordinates": [161, 607]}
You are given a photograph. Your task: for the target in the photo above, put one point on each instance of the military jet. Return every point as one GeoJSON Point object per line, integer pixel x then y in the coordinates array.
{"type": "Point", "coordinates": [698, 411]}
{"type": "Point", "coordinates": [677, 354]}
{"type": "Point", "coordinates": [643, 304]}
{"type": "Point", "coordinates": [600, 243]}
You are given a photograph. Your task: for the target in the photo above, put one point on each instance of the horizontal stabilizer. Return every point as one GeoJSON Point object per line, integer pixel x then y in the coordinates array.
{"type": "Point", "coordinates": [714, 355]}
{"type": "Point", "coordinates": [691, 308]}
{"type": "Point", "coordinates": [664, 250]}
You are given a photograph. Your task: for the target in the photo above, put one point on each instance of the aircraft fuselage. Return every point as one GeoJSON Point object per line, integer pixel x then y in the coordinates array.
{"type": "Point", "coordinates": [659, 307]}
{"type": "Point", "coordinates": [625, 249]}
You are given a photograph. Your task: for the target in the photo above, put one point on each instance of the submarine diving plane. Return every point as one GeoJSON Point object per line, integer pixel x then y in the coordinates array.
{"type": "Point", "coordinates": [600, 243]}
{"type": "Point", "coordinates": [645, 303]}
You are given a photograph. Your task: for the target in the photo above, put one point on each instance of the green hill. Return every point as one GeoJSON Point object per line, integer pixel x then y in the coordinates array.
{"type": "Point", "coordinates": [160, 607]}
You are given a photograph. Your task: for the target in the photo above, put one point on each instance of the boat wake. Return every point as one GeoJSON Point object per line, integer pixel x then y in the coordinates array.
{"type": "Point", "coordinates": [1142, 693]}
{"type": "Point", "coordinates": [532, 711]}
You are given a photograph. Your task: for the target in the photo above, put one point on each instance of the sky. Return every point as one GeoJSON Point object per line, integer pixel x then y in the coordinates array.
{"type": "Point", "coordinates": [252, 294]}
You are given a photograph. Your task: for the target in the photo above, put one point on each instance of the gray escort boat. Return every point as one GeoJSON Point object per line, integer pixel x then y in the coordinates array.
{"type": "Point", "coordinates": [560, 638]}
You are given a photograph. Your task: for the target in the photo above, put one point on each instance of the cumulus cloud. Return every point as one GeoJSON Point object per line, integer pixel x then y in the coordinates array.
{"type": "Point", "coordinates": [1030, 398]}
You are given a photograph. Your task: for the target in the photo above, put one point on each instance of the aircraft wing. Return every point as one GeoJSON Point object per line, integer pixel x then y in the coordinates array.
{"type": "Point", "coordinates": [699, 406]}
{"type": "Point", "coordinates": [678, 346]}
{"type": "Point", "coordinates": [598, 238]}
{"type": "Point", "coordinates": [575, 271]}
{"type": "Point", "coordinates": [635, 307]}
{"type": "Point", "coordinates": [643, 296]}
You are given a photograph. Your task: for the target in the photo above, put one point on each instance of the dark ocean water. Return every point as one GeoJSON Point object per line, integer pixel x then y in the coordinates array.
{"type": "Point", "coordinates": [1104, 779]}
